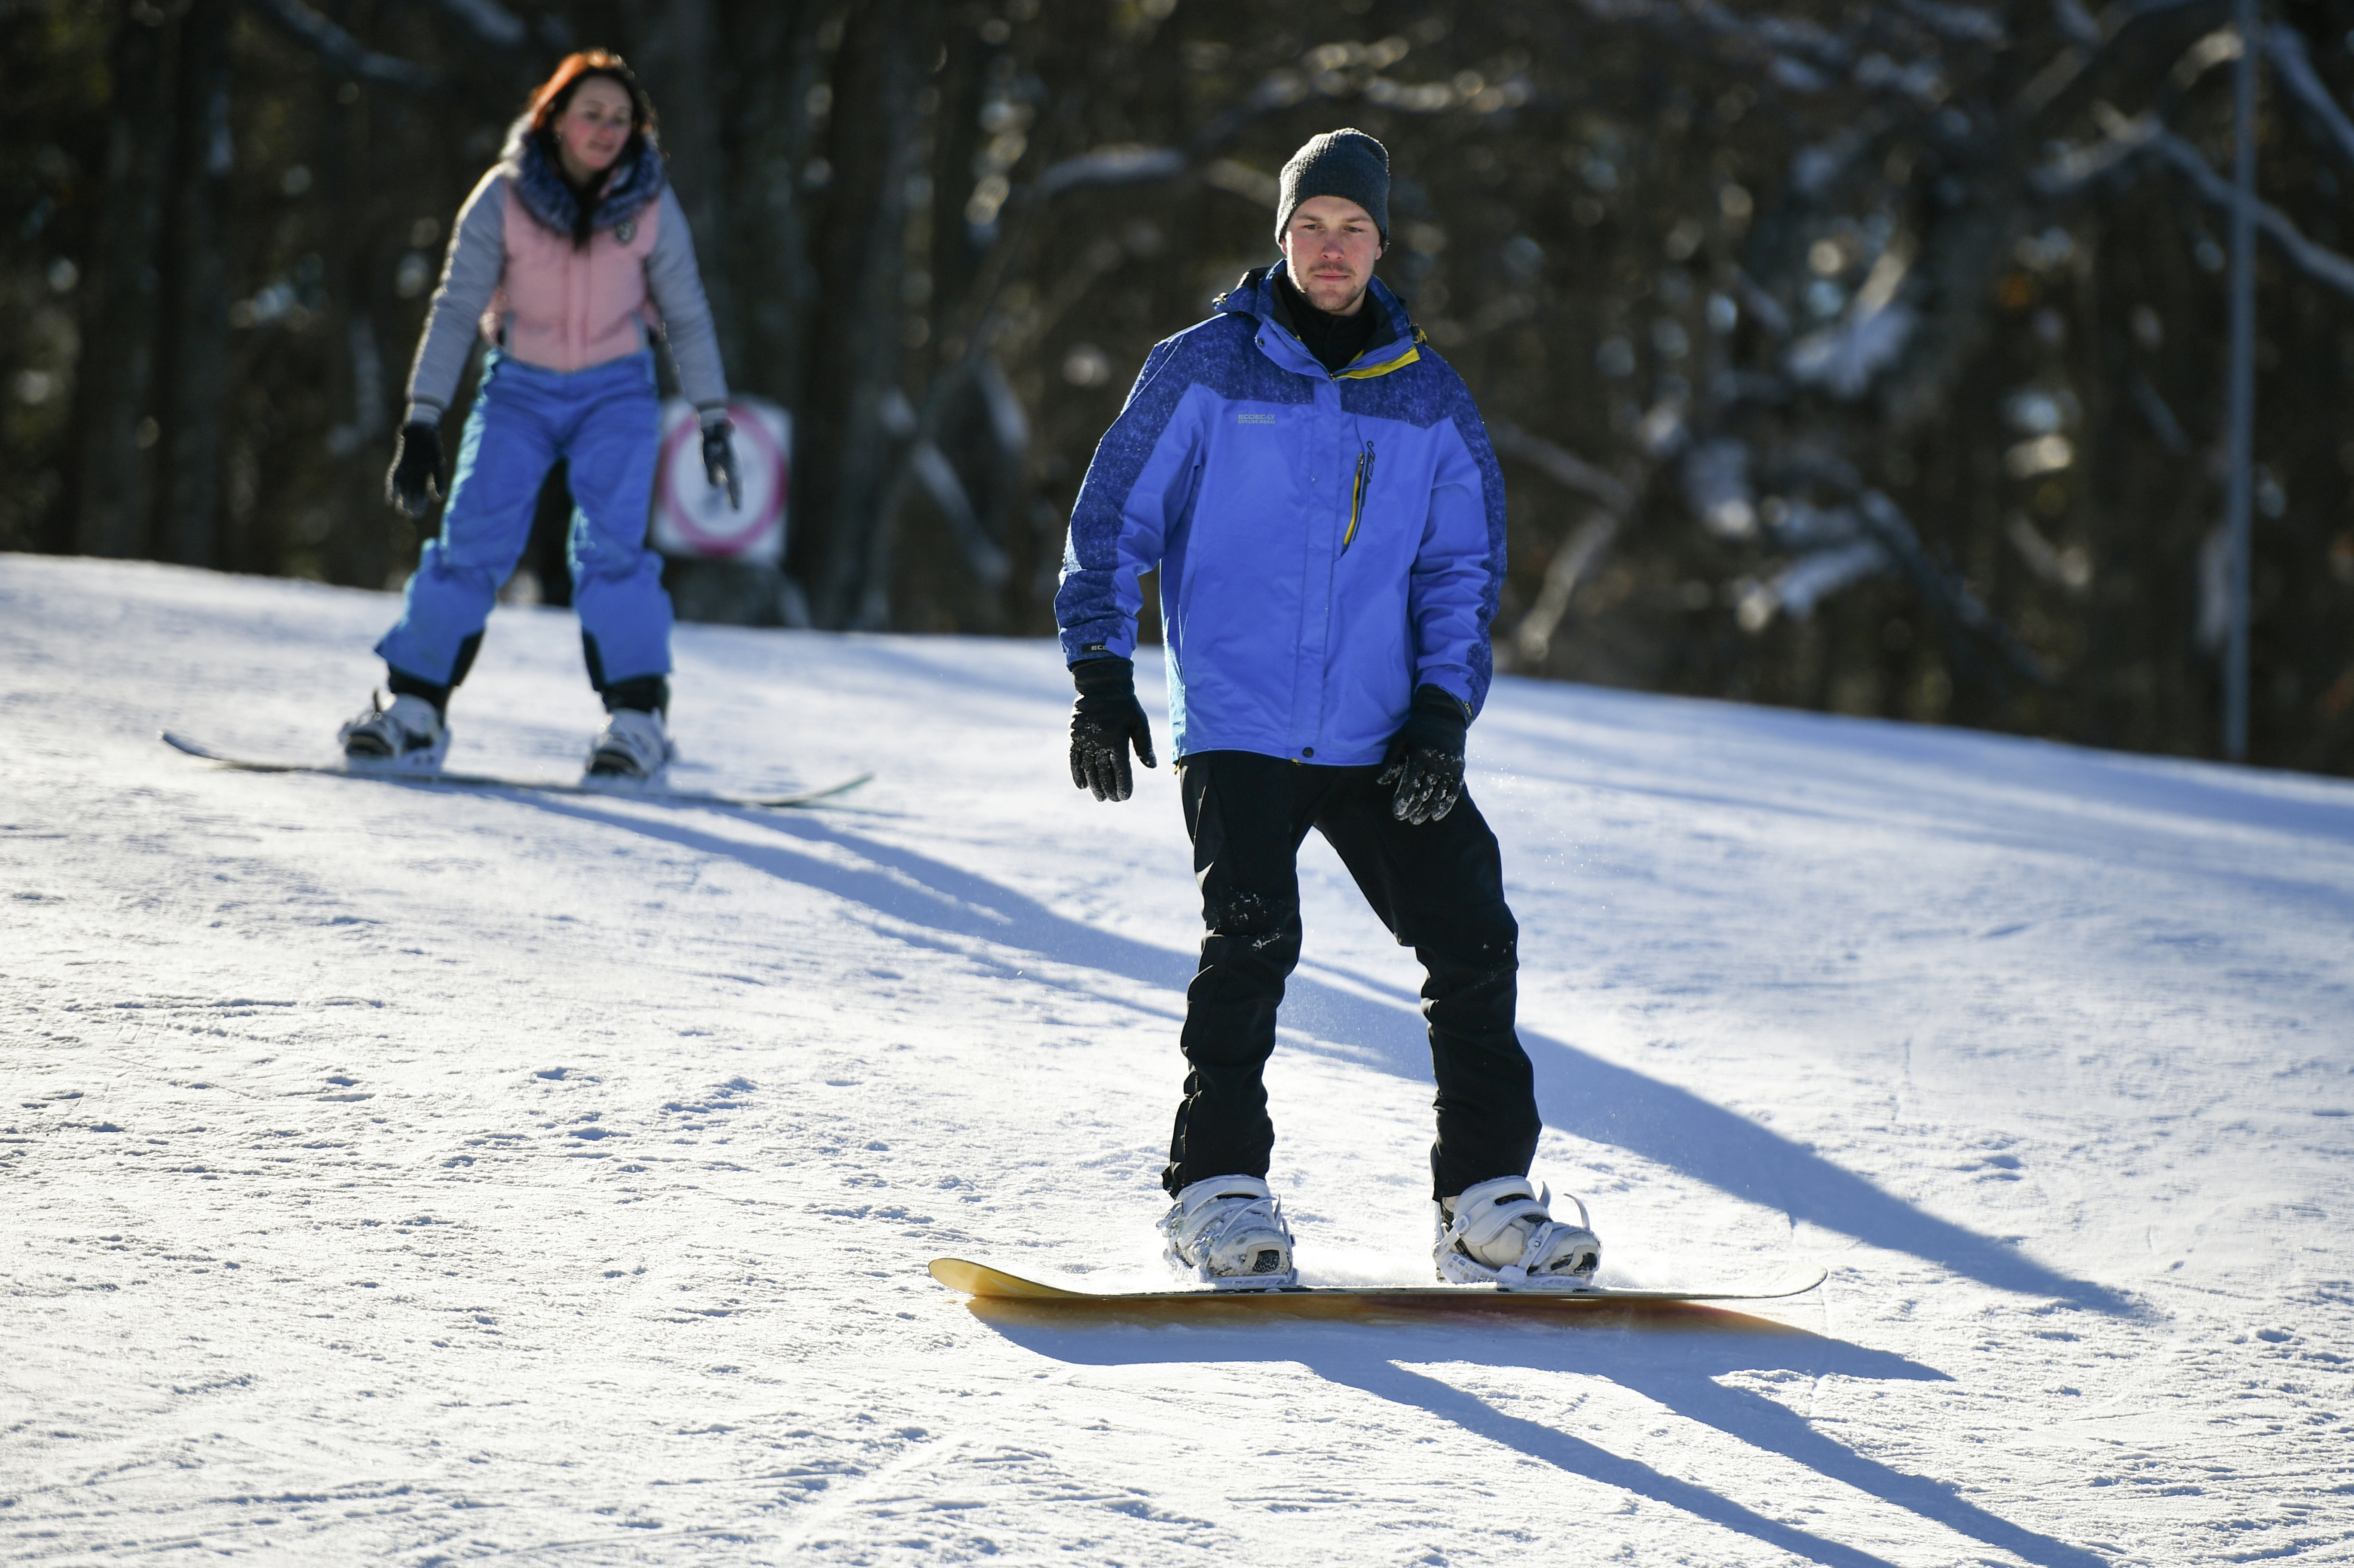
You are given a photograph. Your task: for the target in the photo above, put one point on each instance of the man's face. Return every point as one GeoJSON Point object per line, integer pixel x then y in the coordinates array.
{"type": "Point", "coordinates": [1330, 249]}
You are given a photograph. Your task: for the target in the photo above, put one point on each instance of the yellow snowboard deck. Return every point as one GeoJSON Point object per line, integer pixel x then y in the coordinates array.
{"type": "Point", "coordinates": [992, 1286]}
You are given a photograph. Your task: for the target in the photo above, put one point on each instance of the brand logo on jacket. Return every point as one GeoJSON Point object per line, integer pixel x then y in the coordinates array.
{"type": "Point", "coordinates": [626, 230]}
{"type": "Point", "coordinates": [1254, 418]}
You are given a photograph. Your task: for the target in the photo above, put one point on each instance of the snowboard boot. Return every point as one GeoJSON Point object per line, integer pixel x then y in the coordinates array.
{"type": "Point", "coordinates": [1503, 1233]}
{"type": "Point", "coordinates": [1228, 1232]}
{"type": "Point", "coordinates": [631, 746]}
{"type": "Point", "coordinates": [410, 735]}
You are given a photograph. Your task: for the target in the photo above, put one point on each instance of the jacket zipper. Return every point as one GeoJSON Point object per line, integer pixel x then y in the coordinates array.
{"type": "Point", "coordinates": [1357, 495]}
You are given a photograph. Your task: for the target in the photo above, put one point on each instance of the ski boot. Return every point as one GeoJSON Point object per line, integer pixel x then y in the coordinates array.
{"type": "Point", "coordinates": [632, 747]}
{"type": "Point", "coordinates": [1228, 1233]}
{"type": "Point", "coordinates": [408, 736]}
{"type": "Point", "coordinates": [1503, 1233]}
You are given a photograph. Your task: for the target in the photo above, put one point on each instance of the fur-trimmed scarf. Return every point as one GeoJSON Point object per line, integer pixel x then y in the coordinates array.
{"type": "Point", "coordinates": [630, 187]}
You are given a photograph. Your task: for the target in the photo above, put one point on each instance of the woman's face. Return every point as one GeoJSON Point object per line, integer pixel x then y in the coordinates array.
{"type": "Point", "coordinates": [593, 128]}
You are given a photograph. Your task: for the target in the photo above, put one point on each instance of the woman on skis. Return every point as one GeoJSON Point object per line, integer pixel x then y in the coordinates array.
{"type": "Point", "coordinates": [570, 250]}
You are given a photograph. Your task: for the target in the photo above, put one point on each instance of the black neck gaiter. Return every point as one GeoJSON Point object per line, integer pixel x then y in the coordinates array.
{"type": "Point", "coordinates": [1335, 341]}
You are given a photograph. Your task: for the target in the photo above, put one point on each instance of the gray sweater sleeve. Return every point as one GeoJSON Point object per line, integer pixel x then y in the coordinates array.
{"type": "Point", "coordinates": [676, 285]}
{"type": "Point", "coordinates": [477, 260]}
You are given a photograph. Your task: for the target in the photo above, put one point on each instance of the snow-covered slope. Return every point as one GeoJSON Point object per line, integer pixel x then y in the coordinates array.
{"type": "Point", "coordinates": [408, 1175]}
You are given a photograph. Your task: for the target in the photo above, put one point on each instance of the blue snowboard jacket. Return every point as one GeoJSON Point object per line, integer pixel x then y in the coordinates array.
{"type": "Point", "coordinates": [1327, 542]}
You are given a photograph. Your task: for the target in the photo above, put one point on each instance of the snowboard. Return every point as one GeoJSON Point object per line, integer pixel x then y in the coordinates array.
{"type": "Point", "coordinates": [619, 788]}
{"type": "Point", "coordinates": [995, 1287]}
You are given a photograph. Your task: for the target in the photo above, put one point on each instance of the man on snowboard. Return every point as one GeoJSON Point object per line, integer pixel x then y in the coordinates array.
{"type": "Point", "coordinates": [1319, 494]}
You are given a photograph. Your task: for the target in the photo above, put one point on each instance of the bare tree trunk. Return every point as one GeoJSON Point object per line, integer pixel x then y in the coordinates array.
{"type": "Point", "coordinates": [676, 52]}
{"type": "Point", "coordinates": [196, 373]}
{"type": "Point", "coordinates": [358, 543]}
{"type": "Point", "coordinates": [750, 125]}
{"type": "Point", "coordinates": [842, 443]}
{"type": "Point", "coordinates": [956, 139]}
{"type": "Point", "coordinates": [764, 247]}
{"type": "Point", "coordinates": [115, 380]}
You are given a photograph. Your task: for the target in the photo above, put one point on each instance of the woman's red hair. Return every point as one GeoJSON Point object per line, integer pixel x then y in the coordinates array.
{"type": "Point", "coordinates": [549, 98]}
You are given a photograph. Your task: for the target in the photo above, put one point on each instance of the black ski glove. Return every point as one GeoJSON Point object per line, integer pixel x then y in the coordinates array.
{"type": "Point", "coordinates": [719, 462]}
{"type": "Point", "coordinates": [1426, 759]}
{"type": "Point", "coordinates": [417, 475]}
{"type": "Point", "coordinates": [1105, 720]}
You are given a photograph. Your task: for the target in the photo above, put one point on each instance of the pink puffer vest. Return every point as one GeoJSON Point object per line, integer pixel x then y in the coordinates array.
{"type": "Point", "coordinates": [567, 308]}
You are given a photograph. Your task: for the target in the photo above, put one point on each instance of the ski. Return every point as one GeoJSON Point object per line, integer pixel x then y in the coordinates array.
{"type": "Point", "coordinates": [986, 1284]}
{"type": "Point", "coordinates": [616, 789]}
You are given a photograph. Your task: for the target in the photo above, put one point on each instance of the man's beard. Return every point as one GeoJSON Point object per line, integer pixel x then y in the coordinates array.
{"type": "Point", "coordinates": [1343, 307]}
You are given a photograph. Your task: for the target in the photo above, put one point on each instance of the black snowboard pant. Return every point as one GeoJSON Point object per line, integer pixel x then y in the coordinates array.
{"type": "Point", "coordinates": [1438, 886]}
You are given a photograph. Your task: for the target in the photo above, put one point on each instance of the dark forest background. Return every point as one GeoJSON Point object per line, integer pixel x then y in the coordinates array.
{"type": "Point", "coordinates": [1861, 357]}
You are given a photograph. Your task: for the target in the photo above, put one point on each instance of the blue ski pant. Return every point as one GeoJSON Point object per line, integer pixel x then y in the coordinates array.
{"type": "Point", "coordinates": [605, 424]}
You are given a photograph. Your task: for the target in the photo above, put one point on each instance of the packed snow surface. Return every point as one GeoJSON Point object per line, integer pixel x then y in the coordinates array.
{"type": "Point", "coordinates": [408, 1175]}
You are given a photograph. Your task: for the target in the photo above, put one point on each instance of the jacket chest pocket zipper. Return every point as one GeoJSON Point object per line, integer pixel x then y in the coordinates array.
{"type": "Point", "coordinates": [1363, 483]}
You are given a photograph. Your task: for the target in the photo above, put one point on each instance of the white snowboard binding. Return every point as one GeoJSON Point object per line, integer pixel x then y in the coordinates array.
{"type": "Point", "coordinates": [632, 747]}
{"type": "Point", "coordinates": [1503, 1233]}
{"type": "Point", "coordinates": [1228, 1233]}
{"type": "Point", "coordinates": [408, 736]}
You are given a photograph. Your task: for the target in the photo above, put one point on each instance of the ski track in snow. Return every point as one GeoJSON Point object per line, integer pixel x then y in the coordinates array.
{"type": "Point", "coordinates": [414, 1175]}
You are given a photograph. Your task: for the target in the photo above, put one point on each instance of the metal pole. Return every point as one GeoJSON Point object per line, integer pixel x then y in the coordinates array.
{"type": "Point", "coordinates": [2242, 411]}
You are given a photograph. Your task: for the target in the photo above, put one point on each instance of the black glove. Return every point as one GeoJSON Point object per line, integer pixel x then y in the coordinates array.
{"type": "Point", "coordinates": [719, 462]}
{"type": "Point", "coordinates": [1105, 720]}
{"type": "Point", "coordinates": [417, 476]}
{"type": "Point", "coordinates": [1426, 759]}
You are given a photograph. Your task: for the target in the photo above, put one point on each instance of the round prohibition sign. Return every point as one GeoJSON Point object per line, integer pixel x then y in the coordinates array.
{"type": "Point", "coordinates": [698, 510]}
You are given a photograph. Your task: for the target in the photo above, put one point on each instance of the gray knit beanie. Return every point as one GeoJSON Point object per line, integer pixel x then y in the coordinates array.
{"type": "Point", "coordinates": [1345, 164]}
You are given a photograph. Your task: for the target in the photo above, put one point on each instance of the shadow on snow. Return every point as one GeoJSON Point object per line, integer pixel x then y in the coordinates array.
{"type": "Point", "coordinates": [1676, 1369]}
{"type": "Point", "coordinates": [1578, 1093]}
